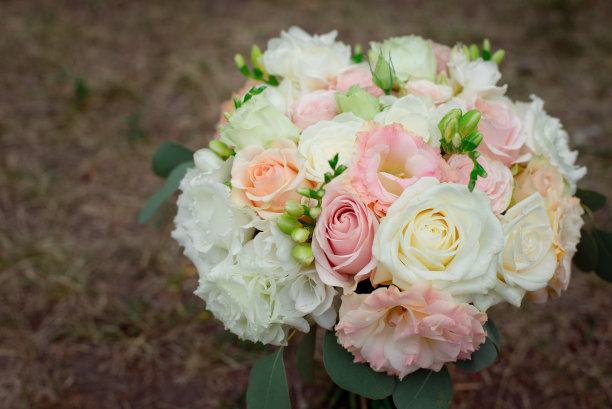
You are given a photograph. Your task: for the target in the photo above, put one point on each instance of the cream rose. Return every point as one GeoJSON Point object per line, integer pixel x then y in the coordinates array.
{"type": "Point", "coordinates": [257, 122]}
{"type": "Point", "coordinates": [320, 142]}
{"type": "Point", "coordinates": [308, 60]}
{"type": "Point", "coordinates": [265, 179]}
{"type": "Point", "coordinates": [442, 235]}
{"type": "Point", "coordinates": [411, 56]}
{"type": "Point", "coordinates": [545, 136]}
{"type": "Point", "coordinates": [208, 226]}
{"type": "Point", "coordinates": [415, 116]}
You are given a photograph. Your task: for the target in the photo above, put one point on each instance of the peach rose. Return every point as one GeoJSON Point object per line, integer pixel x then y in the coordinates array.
{"type": "Point", "coordinates": [501, 129]}
{"type": "Point", "coordinates": [266, 178]}
{"type": "Point", "coordinates": [314, 107]}
{"type": "Point", "coordinates": [355, 74]}
{"type": "Point", "coordinates": [387, 159]}
{"type": "Point", "coordinates": [402, 331]}
{"type": "Point", "coordinates": [539, 176]}
{"type": "Point", "coordinates": [497, 185]}
{"type": "Point", "coordinates": [342, 239]}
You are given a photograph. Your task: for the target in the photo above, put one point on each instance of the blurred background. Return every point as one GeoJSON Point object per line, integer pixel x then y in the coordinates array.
{"type": "Point", "coordinates": [97, 311]}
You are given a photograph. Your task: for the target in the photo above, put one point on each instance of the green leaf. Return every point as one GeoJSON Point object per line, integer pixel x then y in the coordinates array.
{"type": "Point", "coordinates": [168, 156]}
{"type": "Point", "coordinates": [305, 356]}
{"type": "Point", "coordinates": [486, 355]}
{"type": "Point", "coordinates": [591, 199]}
{"type": "Point", "coordinates": [169, 187]}
{"type": "Point", "coordinates": [587, 252]}
{"type": "Point", "coordinates": [268, 384]}
{"type": "Point", "coordinates": [604, 246]}
{"type": "Point", "coordinates": [424, 389]}
{"type": "Point", "coordinates": [354, 377]}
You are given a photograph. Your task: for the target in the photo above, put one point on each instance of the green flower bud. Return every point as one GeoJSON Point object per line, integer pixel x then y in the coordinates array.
{"type": "Point", "coordinates": [486, 45]}
{"type": "Point", "coordinates": [474, 52]}
{"type": "Point", "coordinates": [294, 209]}
{"type": "Point", "coordinates": [255, 57]}
{"type": "Point", "coordinates": [469, 122]}
{"type": "Point", "coordinates": [451, 129]}
{"type": "Point", "coordinates": [300, 235]}
{"type": "Point", "coordinates": [287, 223]}
{"type": "Point", "coordinates": [303, 253]}
{"type": "Point", "coordinates": [314, 212]}
{"type": "Point", "coordinates": [452, 114]}
{"type": "Point", "coordinates": [498, 56]}
{"type": "Point", "coordinates": [220, 149]}
{"type": "Point", "coordinates": [359, 102]}
{"type": "Point", "coordinates": [241, 64]}
{"type": "Point", "coordinates": [383, 76]}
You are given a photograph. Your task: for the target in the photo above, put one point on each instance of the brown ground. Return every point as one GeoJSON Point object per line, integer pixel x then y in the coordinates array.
{"type": "Point", "coordinates": [98, 312]}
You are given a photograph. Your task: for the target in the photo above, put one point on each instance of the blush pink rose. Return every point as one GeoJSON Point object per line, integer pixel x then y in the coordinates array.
{"type": "Point", "coordinates": [539, 176]}
{"type": "Point", "coordinates": [439, 94]}
{"type": "Point", "coordinates": [402, 331]}
{"type": "Point", "coordinates": [501, 129]}
{"type": "Point", "coordinates": [355, 74]}
{"type": "Point", "coordinates": [497, 185]}
{"type": "Point", "coordinates": [387, 159]}
{"type": "Point", "coordinates": [342, 239]}
{"type": "Point", "coordinates": [442, 53]}
{"type": "Point", "coordinates": [266, 178]}
{"type": "Point", "coordinates": [314, 107]}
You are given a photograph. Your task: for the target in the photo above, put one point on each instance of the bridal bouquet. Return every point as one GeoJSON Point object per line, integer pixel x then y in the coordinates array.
{"type": "Point", "coordinates": [389, 197]}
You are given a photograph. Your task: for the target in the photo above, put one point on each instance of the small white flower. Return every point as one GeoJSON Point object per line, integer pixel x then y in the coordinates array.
{"type": "Point", "coordinates": [546, 136]}
{"type": "Point", "coordinates": [475, 78]}
{"type": "Point", "coordinates": [321, 141]}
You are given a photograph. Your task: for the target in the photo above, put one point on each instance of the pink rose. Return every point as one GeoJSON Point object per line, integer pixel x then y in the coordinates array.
{"type": "Point", "coordinates": [439, 94]}
{"type": "Point", "coordinates": [402, 331]}
{"type": "Point", "coordinates": [387, 159]}
{"type": "Point", "coordinates": [266, 178]}
{"type": "Point", "coordinates": [314, 107]}
{"type": "Point", "coordinates": [356, 74]}
{"type": "Point", "coordinates": [342, 239]}
{"type": "Point", "coordinates": [501, 129]}
{"type": "Point", "coordinates": [497, 185]}
{"type": "Point", "coordinates": [442, 53]}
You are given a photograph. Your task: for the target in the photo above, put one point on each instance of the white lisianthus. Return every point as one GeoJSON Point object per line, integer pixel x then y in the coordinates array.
{"type": "Point", "coordinates": [528, 260]}
{"type": "Point", "coordinates": [283, 96]}
{"type": "Point", "coordinates": [442, 235]}
{"type": "Point", "coordinates": [546, 136]}
{"type": "Point", "coordinates": [320, 142]}
{"type": "Point", "coordinates": [415, 115]}
{"type": "Point", "coordinates": [310, 61]}
{"type": "Point", "coordinates": [257, 122]}
{"type": "Point", "coordinates": [411, 57]}
{"type": "Point", "coordinates": [208, 226]}
{"type": "Point", "coordinates": [475, 78]}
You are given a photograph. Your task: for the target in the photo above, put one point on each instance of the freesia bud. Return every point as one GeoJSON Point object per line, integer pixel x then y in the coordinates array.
{"type": "Point", "coordinates": [303, 253]}
{"type": "Point", "coordinates": [300, 235]}
{"type": "Point", "coordinates": [469, 122]}
{"type": "Point", "coordinates": [474, 52]}
{"type": "Point", "coordinates": [498, 56]}
{"type": "Point", "coordinates": [314, 212]}
{"type": "Point", "coordinates": [255, 57]}
{"type": "Point", "coordinates": [287, 224]}
{"type": "Point", "coordinates": [241, 64]}
{"type": "Point", "coordinates": [293, 208]}
{"type": "Point", "coordinates": [220, 149]}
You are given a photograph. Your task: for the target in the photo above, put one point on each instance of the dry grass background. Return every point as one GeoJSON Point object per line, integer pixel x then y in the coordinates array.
{"type": "Point", "coordinates": [98, 312]}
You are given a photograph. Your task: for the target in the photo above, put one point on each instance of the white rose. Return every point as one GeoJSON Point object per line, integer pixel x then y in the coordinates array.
{"type": "Point", "coordinates": [475, 78]}
{"type": "Point", "coordinates": [411, 57]}
{"type": "Point", "coordinates": [321, 141]}
{"type": "Point", "coordinates": [528, 260]}
{"type": "Point", "coordinates": [546, 136]}
{"type": "Point", "coordinates": [257, 122]}
{"type": "Point", "coordinates": [415, 115]}
{"type": "Point", "coordinates": [308, 60]}
{"type": "Point", "coordinates": [208, 225]}
{"type": "Point", "coordinates": [439, 234]}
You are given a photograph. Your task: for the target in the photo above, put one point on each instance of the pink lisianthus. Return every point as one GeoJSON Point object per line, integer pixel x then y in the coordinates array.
{"type": "Point", "coordinates": [442, 53]}
{"type": "Point", "coordinates": [501, 129]}
{"type": "Point", "coordinates": [497, 185]}
{"type": "Point", "coordinates": [342, 239]}
{"type": "Point", "coordinates": [355, 74]}
{"type": "Point", "coordinates": [265, 179]}
{"type": "Point", "coordinates": [387, 159]}
{"type": "Point", "coordinates": [314, 107]}
{"type": "Point", "coordinates": [402, 331]}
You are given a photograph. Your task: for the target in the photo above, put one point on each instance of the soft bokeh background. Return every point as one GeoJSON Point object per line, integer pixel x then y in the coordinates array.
{"type": "Point", "coordinates": [97, 311]}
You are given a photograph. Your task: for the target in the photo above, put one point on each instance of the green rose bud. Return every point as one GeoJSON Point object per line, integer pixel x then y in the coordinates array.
{"type": "Point", "coordinates": [359, 102]}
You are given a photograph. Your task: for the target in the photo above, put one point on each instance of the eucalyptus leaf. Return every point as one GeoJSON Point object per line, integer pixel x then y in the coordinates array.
{"type": "Point", "coordinates": [268, 384]}
{"type": "Point", "coordinates": [305, 356]}
{"type": "Point", "coordinates": [587, 252]}
{"type": "Point", "coordinates": [593, 200]}
{"type": "Point", "coordinates": [169, 187]}
{"type": "Point", "coordinates": [424, 389]}
{"type": "Point", "coordinates": [168, 156]}
{"type": "Point", "coordinates": [358, 378]}
{"type": "Point", "coordinates": [604, 246]}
